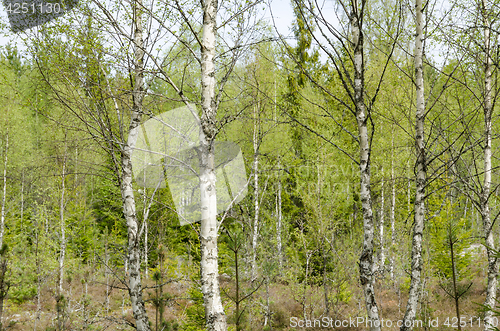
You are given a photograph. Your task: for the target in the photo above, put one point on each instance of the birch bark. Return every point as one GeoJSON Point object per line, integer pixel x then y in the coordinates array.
{"type": "Point", "coordinates": [62, 254]}
{"type": "Point", "coordinates": [3, 261]}
{"type": "Point", "coordinates": [255, 233]}
{"type": "Point", "coordinates": [381, 229]}
{"type": "Point", "coordinates": [22, 198]}
{"type": "Point", "coordinates": [366, 265]}
{"type": "Point", "coordinates": [278, 200]}
{"type": "Point", "coordinates": [38, 279]}
{"type": "Point", "coordinates": [393, 207]}
{"type": "Point", "coordinates": [146, 263]}
{"type": "Point", "coordinates": [279, 225]}
{"type": "Point", "coordinates": [214, 311]}
{"type": "Point", "coordinates": [4, 196]}
{"type": "Point", "coordinates": [129, 207]}
{"type": "Point", "coordinates": [419, 218]}
{"type": "Point", "coordinates": [492, 282]}
{"type": "Point", "coordinates": [63, 225]}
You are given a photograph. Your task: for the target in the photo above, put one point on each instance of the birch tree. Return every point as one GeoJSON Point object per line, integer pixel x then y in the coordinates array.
{"type": "Point", "coordinates": [129, 205]}
{"type": "Point", "coordinates": [392, 214]}
{"type": "Point", "coordinates": [255, 232]}
{"type": "Point", "coordinates": [381, 262]}
{"type": "Point", "coordinates": [4, 284]}
{"type": "Point", "coordinates": [492, 282]}
{"type": "Point", "coordinates": [341, 45]}
{"type": "Point", "coordinates": [212, 90]}
{"type": "Point", "coordinates": [419, 205]}
{"type": "Point", "coordinates": [92, 109]}
{"type": "Point", "coordinates": [209, 96]}
{"type": "Point", "coordinates": [366, 266]}
{"type": "Point", "coordinates": [4, 195]}
{"type": "Point", "coordinates": [279, 223]}
{"type": "Point", "coordinates": [62, 244]}
{"type": "Point", "coordinates": [214, 311]}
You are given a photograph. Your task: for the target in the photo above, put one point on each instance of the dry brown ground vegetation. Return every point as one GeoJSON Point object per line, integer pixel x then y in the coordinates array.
{"type": "Point", "coordinates": [87, 307]}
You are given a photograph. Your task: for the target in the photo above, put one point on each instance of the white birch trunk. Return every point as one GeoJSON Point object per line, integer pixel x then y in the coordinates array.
{"type": "Point", "coordinates": [381, 229]}
{"type": "Point", "coordinates": [408, 193]}
{"type": "Point", "coordinates": [22, 199]}
{"type": "Point", "coordinates": [419, 218]}
{"type": "Point", "coordinates": [63, 226]}
{"type": "Point", "coordinates": [278, 201]}
{"type": "Point", "coordinates": [129, 207]}
{"type": "Point", "coordinates": [62, 248]}
{"type": "Point", "coordinates": [268, 314]}
{"type": "Point", "coordinates": [393, 207]}
{"type": "Point", "coordinates": [146, 248]}
{"type": "Point", "coordinates": [3, 261]}
{"type": "Point", "coordinates": [145, 214]}
{"type": "Point", "coordinates": [279, 224]}
{"type": "Point", "coordinates": [214, 311]}
{"type": "Point", "coordinates": [255, 232]}
{"type": "Point", "coordinates": [366, 265]}
{"type": "Point", "coordinates": [492, 284]}
{"type": "Point", "coordinates": [38, 274]}
{"type": "Point", "coordinates": [4, 197]}
{"type": "Point", "coordinates": [76, 165]}
{"type": "Point", "coordinates": [106, 274]}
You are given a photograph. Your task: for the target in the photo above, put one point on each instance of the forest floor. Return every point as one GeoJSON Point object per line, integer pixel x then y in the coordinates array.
{"type": "Point", "coordinates": [88, 307]}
